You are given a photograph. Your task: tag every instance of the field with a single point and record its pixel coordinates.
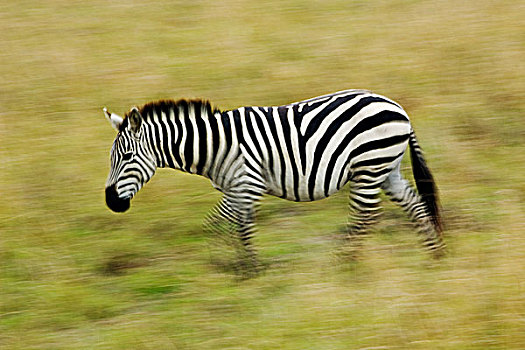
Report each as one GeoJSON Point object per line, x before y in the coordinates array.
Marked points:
{"type": "Point", "coordinates": [73, 275]}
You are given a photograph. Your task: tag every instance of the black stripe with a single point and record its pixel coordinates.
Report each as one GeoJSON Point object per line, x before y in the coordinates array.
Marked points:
{"type": "Point", "coordinates": [255, 170]}
{"type": "Point", "coordinates": [188, 146]}
{"type": "Point", "coordinates": [129, 176]}
{"type": "Point", "coordinates": [254, 192]}
{"type": "Point", "coordinates": [158, 136]}
{"type": "Point", "coordinates": [165, 142]}
{"type": "Point", "coordinates": [225, 124]}
{"type": "Point", "coordinates": [202, 135]}
{"type": "Point", "coordinates": [378, 144]}
{"type": "Point", "coordinates": [363, 195]}
{"type": "Point", "coordinates": [301, 140]}
{"type": "Point", "coordinates": [310, 106]}
{"type": "Point", "coordinates": [171, 130]}
{"type": "Point", "coordinates": [238, 125]}
{"type": "Point", "coordinates": [153, 142]}
{"type": "Point", "coordinates": [240, 135]}
{"type": "Point", "coordinates": [215, 137]}
{"type": "Point", "coordinates": [371, 173]}
{"type": "Point", "coordinates": [363, 204]}
{"type": "Point", "coordinates": [251, 132]}
{"type": "Point", "coordinates": [177, 142]}
{"type": "Point", "coordinates": [145, 162]}
{"type": "Point", "coordinates": [266, 140]}
{"type": "Point", "coordinates": [376, 161]}
{"type": "Point", "coordinates": [275, 135]}
{"type": "Point", "coordinates": [283, 111]}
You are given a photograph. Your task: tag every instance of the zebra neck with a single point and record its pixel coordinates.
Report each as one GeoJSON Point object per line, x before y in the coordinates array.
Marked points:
{"type": "Point", "coordinates": [178, 136]}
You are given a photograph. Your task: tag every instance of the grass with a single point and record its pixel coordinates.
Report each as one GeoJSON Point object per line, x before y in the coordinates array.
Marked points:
{"type": "Point", "coordinates": [75, 276]}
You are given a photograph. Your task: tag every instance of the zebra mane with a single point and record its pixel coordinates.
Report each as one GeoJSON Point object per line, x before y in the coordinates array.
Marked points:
{"type": "Point", "coordinates": [168, 105]}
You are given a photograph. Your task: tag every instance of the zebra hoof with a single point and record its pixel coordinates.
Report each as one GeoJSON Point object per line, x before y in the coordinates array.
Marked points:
{"type": "Point", "coordinates": [241, 268]}
{"type": "Point", "coordinates": [439, 253]}
{"type": "Point", "coordinates": [346, 255]}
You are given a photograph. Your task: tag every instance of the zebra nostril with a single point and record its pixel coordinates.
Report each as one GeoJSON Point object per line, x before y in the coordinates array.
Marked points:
{"type": "Point", "coordinates": [114, 202]}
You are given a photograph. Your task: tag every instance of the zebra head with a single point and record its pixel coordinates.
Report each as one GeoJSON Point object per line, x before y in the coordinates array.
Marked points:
{"type": "Point", "coordinates": [132, 164]}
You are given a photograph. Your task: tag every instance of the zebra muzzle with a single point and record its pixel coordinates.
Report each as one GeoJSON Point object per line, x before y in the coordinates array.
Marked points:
{"type": "Point", "coordinates": [114, 202]}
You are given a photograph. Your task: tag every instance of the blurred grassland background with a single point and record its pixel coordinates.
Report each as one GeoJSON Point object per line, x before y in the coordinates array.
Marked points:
{"type": "Point", "coordinates": [75, 276]}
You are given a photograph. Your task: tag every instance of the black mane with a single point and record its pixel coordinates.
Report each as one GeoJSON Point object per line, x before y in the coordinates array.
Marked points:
{"type": "Point", "coordinates": [167, 105]}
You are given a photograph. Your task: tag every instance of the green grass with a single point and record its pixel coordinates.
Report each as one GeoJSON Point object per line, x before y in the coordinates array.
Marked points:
{"type": "Point", "coordinates": [75, 276]}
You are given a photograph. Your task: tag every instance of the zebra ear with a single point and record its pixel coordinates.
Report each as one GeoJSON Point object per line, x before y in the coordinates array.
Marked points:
{"type": "Point", "coordinates": [114, 119]}
{"type": "Point", "coordinates": [135, 120]}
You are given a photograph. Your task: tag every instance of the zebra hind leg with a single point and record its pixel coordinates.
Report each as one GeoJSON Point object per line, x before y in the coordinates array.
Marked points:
{"type": "Point", "coordinates": [401, 193]}
{"type": "Point", "coordinates": [364, 210]}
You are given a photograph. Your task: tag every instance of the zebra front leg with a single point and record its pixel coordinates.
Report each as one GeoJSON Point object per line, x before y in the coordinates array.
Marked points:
{"type": "Point", "coordinates": [221, 225]}
{"type": "Point", "coordinates": [364, 211]}
{"type": "Point", "coordinates": [244, 206]}
{"type": "Point", "coordinates": [231, 224]}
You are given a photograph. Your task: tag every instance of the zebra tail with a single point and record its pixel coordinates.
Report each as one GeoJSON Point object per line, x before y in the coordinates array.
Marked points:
{"type": "Point", "coordinates": [425, 183]}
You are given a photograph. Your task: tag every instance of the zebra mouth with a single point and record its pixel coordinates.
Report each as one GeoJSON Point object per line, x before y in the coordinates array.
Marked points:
{"type": "Point", "coordinates": [114, 202]}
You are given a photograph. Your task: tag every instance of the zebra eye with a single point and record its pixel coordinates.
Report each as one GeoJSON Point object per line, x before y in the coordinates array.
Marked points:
{"type": "Point", "coordinates": [127, 156]}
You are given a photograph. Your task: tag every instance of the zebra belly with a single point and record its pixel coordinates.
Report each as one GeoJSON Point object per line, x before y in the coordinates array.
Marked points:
{"type": "Point", "coordinates": [298, 187]}
{"type": "Point", "coordinates": [296, 192]}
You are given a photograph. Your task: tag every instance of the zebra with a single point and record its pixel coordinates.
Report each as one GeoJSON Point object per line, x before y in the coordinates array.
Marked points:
{"type": "Point", "coordinates": [303, 151]}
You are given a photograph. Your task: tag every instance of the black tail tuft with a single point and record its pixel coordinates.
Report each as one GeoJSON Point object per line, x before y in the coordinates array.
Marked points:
{"type": "Point", "coordinates": [425, 183]}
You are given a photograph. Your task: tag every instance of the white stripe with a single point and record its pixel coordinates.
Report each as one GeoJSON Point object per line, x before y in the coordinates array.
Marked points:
{"type": "Point", "coordinates": [219, 157]}
{"type": "Point", "coordinates": [307, 118]}
{"type": "Point", "coordinates": [209, 139]}
{"type": "Point", "coordinates": [160, 146]}
{"type": "Point", "coordinates": [192, 117]}
{"type": "Point", "coordinates": [282, 145]}
{"type": "Point", "coordinates": [273, 184]}
{"type": "Point", "coordinates": [303, 186]}
{"type": "Point", "coordinates": [183, 138]}
{"type": "Point", "coordinates": [223, 174]}
{"type": "Point", "coordinates": [168, 137]}
{"type": "Point", "coordinates": [253, 116]}
{"type": "Point", "coordinates": [247, 139]}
